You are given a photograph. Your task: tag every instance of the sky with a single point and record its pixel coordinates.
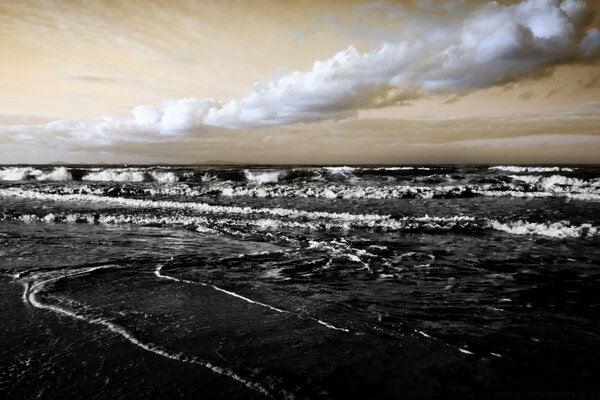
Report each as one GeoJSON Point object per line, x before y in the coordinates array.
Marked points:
{"type": "Point", "coordinates": [316, 82]}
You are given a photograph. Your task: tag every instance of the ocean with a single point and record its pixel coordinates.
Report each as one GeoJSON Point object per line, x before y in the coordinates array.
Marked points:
{"type": "Point", "coordinates": [305, 282]}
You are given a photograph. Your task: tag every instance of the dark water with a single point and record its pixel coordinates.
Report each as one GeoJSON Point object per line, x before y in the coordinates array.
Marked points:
{"type": "Point", "coordinates": [433, 282]}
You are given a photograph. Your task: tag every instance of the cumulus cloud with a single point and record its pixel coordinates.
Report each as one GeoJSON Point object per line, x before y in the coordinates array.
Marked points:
{"type": "Point", "coordinates": [459, 52]}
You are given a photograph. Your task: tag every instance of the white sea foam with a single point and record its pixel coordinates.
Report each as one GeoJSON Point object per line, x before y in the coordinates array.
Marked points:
{"type": "Point", "coordinates": [584, 191]}
{"type": "Point", "coordinates": [517, 193]}
{"type": "Point", "coordinates": [580, 191]}
{"type": "Point", "coordinates": [49, 218]}
{"type": "Point", "coordinates": [57, 174]}
{"type": "Point", "coordinates": [335, 170]}
{"type": "Point", "coordinates": [288, 218]}
{"type": "Point", "coordinates": [109, 175]}
{"type": "Point", "coordinates": [555, 180]}
{"type": "Point", "coordinates": [562, 229]}
{"type": "Point", "coordinates": [529, 186]}
{"type": "Point", "coordinates": [15, 173]}
{"type": "Point", "coordinates": [208, 177]}
{"type": "Point", "coordinates": [402, 168]}
{"type": "Point", "coordinates": [562, 186]}
{"type": "Point", "coordinates": [262, 176]}
{"type": "Point", "coordinates": [200, 224]}
{"type": "Point", "coordinates": [424, 334]}
{"type": "Point", "coordinates": [590, 192]}
{"type": "Point", "coordinates": [164, 176]}
{"type": "Point", "coordinates": [340, 249]}
{"type": "Point", "coordinates": [332, 191]}
{"type": "Point", "coordinates": [394, 168]}
{"type": "Point", "coordinates": [197, 207]}
{"type": "Point", "coordinates": [516, 169]}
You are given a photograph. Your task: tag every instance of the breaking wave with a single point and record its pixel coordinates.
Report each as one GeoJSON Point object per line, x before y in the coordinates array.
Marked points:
{"type": "Point", "coordinates": [57, 174]}
{"type": "Point", "coordinates": [561, 229]}
{"type": "Point", "coordinates": [262, 176]}
{"type": "Point", "coordinates": [115, 176]}
{"type": "Point", "coordinates": [26, 173]}
{"type": "Point", "coordinates": [515, 169]}
{"type": "Point", "coordinates": [164, 176]}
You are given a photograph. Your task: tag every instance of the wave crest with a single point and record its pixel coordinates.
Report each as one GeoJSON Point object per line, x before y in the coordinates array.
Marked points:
{"type": "Point", "coordinates": [262, 176]}
{"type": "Point", "coordinates": [516, 169]}
{"type": "Point", "coordinates": [26, 173]}
{"type": "Point", "coordinates": [561, 229]}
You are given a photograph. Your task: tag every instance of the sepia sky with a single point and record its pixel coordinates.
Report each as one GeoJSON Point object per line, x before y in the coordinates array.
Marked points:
{"type": "Point", "coordinates": [272, 81]}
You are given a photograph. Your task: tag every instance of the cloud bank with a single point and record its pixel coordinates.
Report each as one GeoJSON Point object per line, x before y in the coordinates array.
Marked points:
{"type": "Point", "coordinates": [457, 53]}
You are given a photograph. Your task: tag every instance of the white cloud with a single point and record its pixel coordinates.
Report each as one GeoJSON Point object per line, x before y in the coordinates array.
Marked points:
{"type": "Point", "coordinates": [590, 45]}
{"type": "Point", "coordinates": [485, 46]}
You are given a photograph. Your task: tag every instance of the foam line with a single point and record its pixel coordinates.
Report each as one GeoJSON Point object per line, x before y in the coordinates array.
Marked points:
{"type": "Point", "coordinates": [248, 300]}
{"type": "Point", "coordinates": [460, 349]}
{"type": "Point", "coordinates": [512, 168]}
{"type": "Point", "coordinates": [31, 292]}
{"type": "Point", "coordinates": [328, 325]}
{"type": "Point", "coordinates": [521, 186]}
{"type": "Point", "coordinates": [159, 274]}
{"type": "Point", "coordinates": [560, 229]}
{"type": "Point", "coordinates": [198, 207]}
